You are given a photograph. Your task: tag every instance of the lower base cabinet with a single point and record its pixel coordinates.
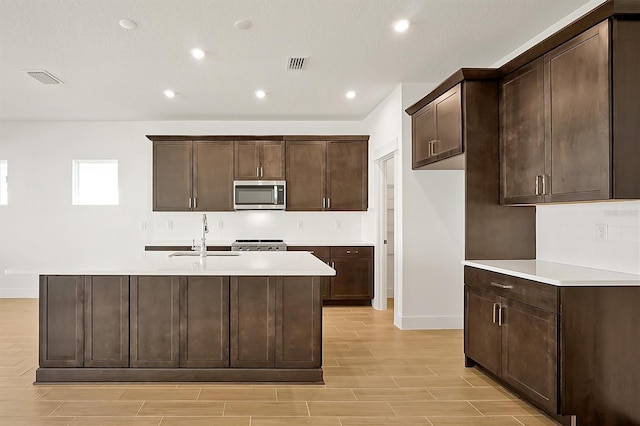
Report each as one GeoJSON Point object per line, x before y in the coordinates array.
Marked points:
{"type": "Point", "coordinates": [353, 281]}
{"type": "Point", "coordinates": [571, 351]}
{"type": "Point", "coordinates": [180, 328]}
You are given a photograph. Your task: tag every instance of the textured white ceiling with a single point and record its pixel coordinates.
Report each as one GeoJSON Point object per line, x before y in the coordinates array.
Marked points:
{"type": "Point", "coordinates": [113, 74]}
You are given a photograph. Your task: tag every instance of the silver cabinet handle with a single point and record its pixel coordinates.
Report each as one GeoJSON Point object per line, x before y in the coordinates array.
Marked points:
{"type": "Point", "coordinates": [258, 171]}
{"type": "Point", "coordinates": [333, 265]}
{"type": "Point", "coordinates": [496, 306]}
{"type": "Point", "coordinates": [501, 285]}
{"type": "Point", "coordinates": [435, 151]}
{"type": "Point", "coordinates": [328, 202]}
{"type": "Point", "coordinates": [190, 202]}
{"type": "Point", "coordinates": [500, 322]}
{"type": "Point", "coordinates": [195, 202]}
{"type": "Point", "coordinates": [431, 148]}
{"type": "Point", "coordinates": [261, 172]}
{"type": "Point", "coordinates": [544, 184]}
{"type": "Point", "coordinates": [323, 202]}
{"type": "Point", "coordinates": [538, 185]}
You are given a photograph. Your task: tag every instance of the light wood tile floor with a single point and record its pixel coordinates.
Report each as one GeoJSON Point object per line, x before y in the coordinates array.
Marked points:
{"type": "Point", "coordinates": [374, 374]}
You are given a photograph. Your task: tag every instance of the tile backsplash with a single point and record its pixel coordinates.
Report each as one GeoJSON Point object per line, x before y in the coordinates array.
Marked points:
{"type": "Point", "coordinates": [228, 226]}
{"type": "Point", "coordinates": [597, 235]}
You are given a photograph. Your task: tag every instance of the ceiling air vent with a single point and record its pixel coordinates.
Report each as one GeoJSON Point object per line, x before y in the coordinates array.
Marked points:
{"type": "Point", "coordinates": [43, 76]}
{"type": "Point", "coordinates": [296, 63]}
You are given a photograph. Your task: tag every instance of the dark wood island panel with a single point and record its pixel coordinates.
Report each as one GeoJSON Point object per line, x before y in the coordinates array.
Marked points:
{"type": "Point", "coordinates": [180, 328]}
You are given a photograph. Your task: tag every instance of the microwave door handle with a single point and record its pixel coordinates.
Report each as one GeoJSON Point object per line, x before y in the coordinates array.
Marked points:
{"type": "Point", "coordinates": [275, 194]}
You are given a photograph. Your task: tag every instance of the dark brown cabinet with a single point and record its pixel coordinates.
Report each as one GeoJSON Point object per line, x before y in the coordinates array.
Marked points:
{"type": "Point", "coordinates": [61, 321]}
{"type": "Point", "coordinates": [255, 160]}
{"type": "Point", "coordinates": [327, 175]}
{"type": "Point", "coordinates": [253, 329]}
{"type": "Point", "coordinates": [354, 272]}
{"type": "Point", "coordinates": [204, 322]}
{"type": "Point", "coordinates": [511, 329]}
{"type": "Point", "coordinates": [155, 323]}
{"type": "Point", "coordinates": [106, 321]}
{"type": "Point", "coordinates": [437, 129]}
{"type": "Point", "coordinates": [560, 138]}
{"type": "Point", "coordinates": [192, 175]}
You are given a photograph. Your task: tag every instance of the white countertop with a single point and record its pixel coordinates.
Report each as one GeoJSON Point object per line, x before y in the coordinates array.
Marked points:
{"type": "Point", "coordinates": [252, 263]}
{"type": "Point", "coordinates": [211, 243]}
{"type": "Point", "coordinates": [558, 274]}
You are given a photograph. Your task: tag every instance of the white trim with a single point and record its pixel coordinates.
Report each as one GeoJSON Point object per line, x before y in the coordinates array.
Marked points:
{"type": "Point", "coordinates": [429, 323]}
{"type": "Point", "coordinates": [389, 293]}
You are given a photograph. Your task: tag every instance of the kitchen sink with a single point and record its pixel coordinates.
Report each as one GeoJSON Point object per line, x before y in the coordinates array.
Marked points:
{"type": "Point", "coordinates": [209, 253]}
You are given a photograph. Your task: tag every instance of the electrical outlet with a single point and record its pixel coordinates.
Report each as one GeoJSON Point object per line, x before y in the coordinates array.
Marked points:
{"type": "Point", "coordinates": [169, 224]}
{"type": "Point", "coordinates": [143, 225]}
{"type": "Point", "coordinates": [602, 232]}
{"type": "Point", "coordinates": [299, 224]}
{"type": "Point", "coordinates": [219, 224]}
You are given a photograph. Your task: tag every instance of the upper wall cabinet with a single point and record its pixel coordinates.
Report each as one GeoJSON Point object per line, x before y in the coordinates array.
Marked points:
{"type": "Point", "coordinates": [569, 120]}
{"type": "Point", "coordinates": [327, 175]}
{"type": "Point", "coordinates": [192, 175]}
{"type": "Point", "coordinates": [256, 160]}
{"type": "Point", "coordinates": [437, 129]}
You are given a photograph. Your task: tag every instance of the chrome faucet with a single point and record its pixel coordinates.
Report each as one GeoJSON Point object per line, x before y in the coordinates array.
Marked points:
{"type": "Point", "coordinates": [205, 229]}
{"type": "Point", "coordinates": [203, 241]}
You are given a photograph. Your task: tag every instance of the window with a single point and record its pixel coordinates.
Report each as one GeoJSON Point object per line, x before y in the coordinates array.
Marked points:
{"type": "Point", "coordinates": [95, 183]}
{"type": "Point", "coordinates": [4, 194]}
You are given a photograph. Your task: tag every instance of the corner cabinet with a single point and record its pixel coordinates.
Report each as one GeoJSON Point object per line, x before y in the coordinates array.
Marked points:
{"type": "Point", "coordinates": [327, 175]}
{"type": "Point", "coordinates": [192, 175]}
{"type": "Point", "coordinates": [437, 129]}
{"type": "Point", "coordinates": [569, 122]}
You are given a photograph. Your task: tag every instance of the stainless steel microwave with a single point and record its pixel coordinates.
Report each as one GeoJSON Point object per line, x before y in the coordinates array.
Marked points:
{"type": "Point", "coordinates": [259, 194]}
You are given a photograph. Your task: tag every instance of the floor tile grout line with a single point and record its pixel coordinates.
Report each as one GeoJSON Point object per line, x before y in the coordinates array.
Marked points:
{"type": "Point", "coordinates": [476, 408]}
{"type": "Point", "coordinates": [140, 408]}
{"type": "Point", "coordinates": [517, 420]}
{"type": "Point", "coordinates": [54, 410]}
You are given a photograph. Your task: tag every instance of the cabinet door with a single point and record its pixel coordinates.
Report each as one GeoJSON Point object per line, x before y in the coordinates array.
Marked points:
{"type": "Point", "coordinates": [155, 321]}
{"type": "Point", "coordinates": [204, 322]}
{"type": "Point", "coordinates": [61, 321]}
{"type": "Point", "coordinates": [448, 124]}
{"type": "Point", "coordinates": [482, 334]}
{"type": "Point", "coordinates": [306, 170]}
{"type": "Point", "coordinates": [247, 160]}
{"type": "Point", "coordinates": [272, 160]}
{"type": "Point", "coordinates": [172, 165]}
{"type": "Point", "coordinates": [253, 322]}
{"type": "Point", "coordinates": [106, 321]}
{"type": "Point", "coordinates": [529, 352]}
{"type": "Point", "coordinates": [522, 135]}
{"type": "Point", "coordinates": [347, 175]}
{"type": "Point", "coordinates": [353, 279]}
{"type": "Point", "coordinates": [213, 176]}
{"type": "Point", "coordinates": [423, 125]}
{"type": "Point", "coordinates": [298, 323]}
{"type": "Point", "coordinates": [577, 118]}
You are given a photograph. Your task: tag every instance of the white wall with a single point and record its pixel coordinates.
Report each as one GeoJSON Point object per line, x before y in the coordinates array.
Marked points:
{"type": "Point", "coordinates": [40, 226]}
{"type": "Point", "coordinates": [566, 233]}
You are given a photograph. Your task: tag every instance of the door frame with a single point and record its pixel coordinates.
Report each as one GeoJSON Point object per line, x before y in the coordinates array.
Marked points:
{"type": "Point", "coordinates": [388, 152]}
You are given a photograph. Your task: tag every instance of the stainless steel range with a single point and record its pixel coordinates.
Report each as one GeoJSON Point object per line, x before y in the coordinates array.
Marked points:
{"type": "Point", "coordinates": [258, 245]}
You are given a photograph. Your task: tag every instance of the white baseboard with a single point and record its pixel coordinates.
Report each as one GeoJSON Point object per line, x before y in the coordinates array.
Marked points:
{"type": "Point", "coordinates": [429, 323]}
{"type": "Point", "coordinates": [18, 293]}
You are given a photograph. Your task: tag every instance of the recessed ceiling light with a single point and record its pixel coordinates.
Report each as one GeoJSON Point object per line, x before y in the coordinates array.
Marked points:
{"type": "Point", "coordinates": [350, 94]}
{"type": "Point", "coordinates": [197, 53]}
{"type": "Point", "coordinates": [128, 24]}
{"type": "Point", "coordinates": [401, 26]}
{"type": "Point", "coordinates": [260, 94]}
{"type": "Point", "coordinates": [169, 93]}
{"type": "Point", "coordinates": [242, 24]}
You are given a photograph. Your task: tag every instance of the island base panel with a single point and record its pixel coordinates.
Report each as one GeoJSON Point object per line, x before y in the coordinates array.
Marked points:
{"type": "Point", "coordinates": [52, 375]}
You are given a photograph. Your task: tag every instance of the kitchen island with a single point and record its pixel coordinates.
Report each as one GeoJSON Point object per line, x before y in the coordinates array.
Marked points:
{"type": "Point", "coordinates": [230, 316]}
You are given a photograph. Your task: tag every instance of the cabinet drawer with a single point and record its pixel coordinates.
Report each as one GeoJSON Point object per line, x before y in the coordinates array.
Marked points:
{"type": "Point", "coordinates": [321, 253]}
{"type": "Point", "coordinates": [357, 251]}
{"type": "Point", "coordinates": [543, 296]}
